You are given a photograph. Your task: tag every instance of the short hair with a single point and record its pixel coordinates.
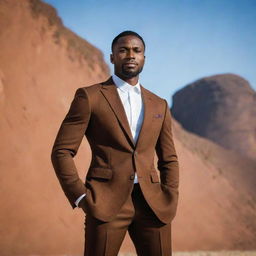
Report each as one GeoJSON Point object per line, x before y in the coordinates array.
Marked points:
{"type": "Point", "coordinates": [126, 33]}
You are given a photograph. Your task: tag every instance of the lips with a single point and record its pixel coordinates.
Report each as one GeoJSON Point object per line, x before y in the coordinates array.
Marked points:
{"type": "Point", "coordinates": [130, 64]}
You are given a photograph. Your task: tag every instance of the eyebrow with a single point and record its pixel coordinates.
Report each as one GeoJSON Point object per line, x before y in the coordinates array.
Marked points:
{"type": "Point", "coordinates": [126, 47]}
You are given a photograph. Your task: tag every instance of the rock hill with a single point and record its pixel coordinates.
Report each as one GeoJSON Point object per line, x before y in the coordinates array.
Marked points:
{"type": "Point", "coordinates": [42, 63]}
{"type": "Point", "coordinates": [221, 108]}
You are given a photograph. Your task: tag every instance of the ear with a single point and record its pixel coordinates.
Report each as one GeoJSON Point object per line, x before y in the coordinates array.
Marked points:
{"type": "Point", "coordinates": [112, 58]}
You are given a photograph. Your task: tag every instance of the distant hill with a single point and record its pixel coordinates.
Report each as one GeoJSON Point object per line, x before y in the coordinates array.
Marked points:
{"type": "Point", "coordinates": [221, 108]}
{"type": "Point", "coordinates": [41, 65]}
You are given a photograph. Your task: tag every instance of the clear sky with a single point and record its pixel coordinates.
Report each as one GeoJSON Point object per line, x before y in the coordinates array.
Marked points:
{"type": "Point", "coordinates": [185, 39]}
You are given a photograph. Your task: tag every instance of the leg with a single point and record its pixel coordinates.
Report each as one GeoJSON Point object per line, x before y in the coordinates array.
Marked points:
{"type": "Point", "coordinates": [150, 236]}
{"type": "Point", "coordinates": [105, 238]}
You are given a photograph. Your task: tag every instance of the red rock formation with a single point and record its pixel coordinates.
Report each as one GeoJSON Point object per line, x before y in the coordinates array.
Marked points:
{"type": "Point", "coordinates": [217, 207]}
{"type": "Point", "coordinates": [41, 65]}
{"type": "Point", "coordinates": [221, 108]}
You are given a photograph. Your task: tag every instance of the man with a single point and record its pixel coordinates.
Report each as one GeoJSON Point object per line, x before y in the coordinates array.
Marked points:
{"type": "Point", "coordinates": [125, 124]}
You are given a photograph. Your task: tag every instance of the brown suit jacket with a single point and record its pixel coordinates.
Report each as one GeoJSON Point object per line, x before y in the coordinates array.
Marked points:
{"type": "Point", "coordinates": [97, 112]}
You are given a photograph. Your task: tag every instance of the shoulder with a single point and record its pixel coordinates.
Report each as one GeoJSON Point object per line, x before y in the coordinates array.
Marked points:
{"type": "Point", "coordinates": [93, 89]}
{"type": "Point", "coordinates": [91, 93]}
{"type": "Point", "coordinates": [153, 96]}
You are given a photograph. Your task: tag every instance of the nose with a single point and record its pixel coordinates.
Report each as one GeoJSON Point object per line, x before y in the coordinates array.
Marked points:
{"type": "Point", "coordinates": [130, 54]}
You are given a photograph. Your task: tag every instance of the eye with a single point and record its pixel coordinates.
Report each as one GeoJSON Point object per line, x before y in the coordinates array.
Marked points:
{"type": "Point", "coordinates": [122, 50]}
{"type": "Point", "coordinates": [138, 50]}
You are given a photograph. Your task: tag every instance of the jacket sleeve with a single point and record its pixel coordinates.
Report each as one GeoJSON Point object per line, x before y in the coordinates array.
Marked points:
{"type": "Point", "coordinates": [66, 145]}
{"type": "Point", "coordinates": [168, 164]}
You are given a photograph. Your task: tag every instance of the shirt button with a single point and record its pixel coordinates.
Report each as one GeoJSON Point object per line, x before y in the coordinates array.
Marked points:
{"type": "Point", "coordinates": [132, 177]}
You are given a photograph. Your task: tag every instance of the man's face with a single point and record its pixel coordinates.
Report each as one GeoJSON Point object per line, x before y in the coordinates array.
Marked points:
{"type": "Point", "coordinates": [128, 57]}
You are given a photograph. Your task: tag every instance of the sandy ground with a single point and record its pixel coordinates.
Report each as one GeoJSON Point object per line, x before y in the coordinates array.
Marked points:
{"type": "Point", "coordinates": [207, 253]}
{"type": "Point", "coordinates": [195, 253]}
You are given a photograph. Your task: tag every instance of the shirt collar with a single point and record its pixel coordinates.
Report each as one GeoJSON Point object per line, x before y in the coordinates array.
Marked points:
{"type": "Point", "coordinates": [124, 86]}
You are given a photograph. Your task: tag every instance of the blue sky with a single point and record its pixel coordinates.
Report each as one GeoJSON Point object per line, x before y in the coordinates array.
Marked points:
{"type": "Point", "coordinates": [185, 39]}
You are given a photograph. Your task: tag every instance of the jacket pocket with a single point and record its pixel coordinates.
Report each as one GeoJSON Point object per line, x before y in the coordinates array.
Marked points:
{"type": "Point", "coordinates": [154, 177]}
{"type": "Point", "coordinates": [100, 173]}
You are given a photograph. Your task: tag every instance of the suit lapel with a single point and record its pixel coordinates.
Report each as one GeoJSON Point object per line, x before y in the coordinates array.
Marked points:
{"type": "Point", "coordinates": [110, 92]}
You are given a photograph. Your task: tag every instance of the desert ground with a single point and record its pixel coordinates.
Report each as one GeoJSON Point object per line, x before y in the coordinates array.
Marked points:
{"type": "Point", "coordinates": [207, 253]}
{"type": "Point", "coordinates": [194, 253]}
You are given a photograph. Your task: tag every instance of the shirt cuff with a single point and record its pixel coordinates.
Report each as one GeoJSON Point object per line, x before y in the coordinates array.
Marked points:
{"type": "Point", "coordinates": [135, 179]}
{"type": "Point", "coordinates": [79, 199]}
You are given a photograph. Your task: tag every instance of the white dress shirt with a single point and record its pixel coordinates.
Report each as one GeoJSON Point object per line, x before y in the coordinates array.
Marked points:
{"type": "Point", "coordinates": [130, 96]}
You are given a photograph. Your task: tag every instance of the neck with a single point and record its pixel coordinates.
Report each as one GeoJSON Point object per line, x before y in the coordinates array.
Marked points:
{"type": "Point", "coordinates": [131, 81]}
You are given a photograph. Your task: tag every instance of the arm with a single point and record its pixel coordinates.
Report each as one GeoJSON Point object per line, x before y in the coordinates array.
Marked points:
{"type": "Point", "coordinates": [66, 145]}
{"type": "Point", "coordinates": [167, 159]}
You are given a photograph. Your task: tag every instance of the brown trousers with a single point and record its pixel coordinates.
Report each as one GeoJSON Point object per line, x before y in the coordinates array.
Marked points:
{"type": "Point", "coordinates": [150, 236]}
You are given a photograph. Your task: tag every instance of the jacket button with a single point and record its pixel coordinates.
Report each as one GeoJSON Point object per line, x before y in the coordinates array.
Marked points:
{"type": "Point", "coordinates": [135, 153]}
{"type": "Point", "coordinates": [132, 177]}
